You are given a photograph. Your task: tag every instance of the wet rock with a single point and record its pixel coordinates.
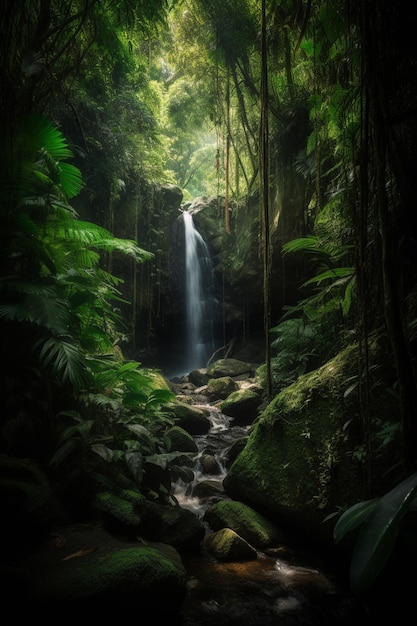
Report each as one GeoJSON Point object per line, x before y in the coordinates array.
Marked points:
{"type": "Point", "coordinates": [130, 514]}
{"type": "Point", "coordinates": [229, 367]}
{"type": "Point", "coordinates": [206, 489]}
{"type": "Point", "coordinates": [227, 545]}
{"type": "Point", "coordinates": [181, 440]}
{"type": "Point", "coordinates": [192, 419]}
{"type": "Point", "coordinates": [249, 524]}
{"type": "Point", "coordinates": [209, 464]}
{"type": "Point", "coordinates": [242, 405]}
{"type": "Point", "coordinates": [220, 388]}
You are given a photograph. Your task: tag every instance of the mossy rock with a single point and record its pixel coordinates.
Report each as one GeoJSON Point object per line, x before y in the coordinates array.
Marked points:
{"type": "Point", "coordinates": [229, 367]}
{"type": "Point", "coordinates": [245, 521]}
{"type": "Point", "coordinates": [181, 440]}
{"type": "Point", "coordinates": [241, 405]}
{"type": "Point", "coordinates": [297, 465]}
{"type": "Point", "coordinates": [89, 568]}
{"type": "Point", "coordinates": [190, 418]}
{"type": "Point", "coordinates": [220, 388]}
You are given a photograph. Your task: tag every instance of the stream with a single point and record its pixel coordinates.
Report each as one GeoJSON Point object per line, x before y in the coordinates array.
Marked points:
{"type": "Point", "coordinates": [283, 586]}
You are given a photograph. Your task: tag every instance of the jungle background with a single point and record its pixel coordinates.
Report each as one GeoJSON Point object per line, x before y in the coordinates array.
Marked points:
{"type": "Point", "coordinates": [296, 120]}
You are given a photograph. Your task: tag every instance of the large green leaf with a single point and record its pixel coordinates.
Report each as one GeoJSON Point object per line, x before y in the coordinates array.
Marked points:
{"type": "Point", "coordinates": [355, 516]}
{"type": "Point", "coordinates": [379, 533]}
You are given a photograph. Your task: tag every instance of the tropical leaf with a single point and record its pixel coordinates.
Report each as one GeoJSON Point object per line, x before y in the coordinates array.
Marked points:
{"type": "Point", "coordinates": [331, 274]}
{"type": "Point", "coordinates": [379, 534]}
{"type": "Point", "coordinates": [37, 132]}
{"type": "Point", "coordinates": [311, 244]}
{"type": "Point", "coordinates": [380, 521]}
{"type": "Point", "coordinates": [353, 517]}
{"type": "Point", "coordinates": [134, 400]}
{"type": "Point", "coordinates": [103, 451]}
{"type": "Point", "coordinates": [159, 396]}
{"type": "Point", "coordinates": [134, 461]}
{"type": "Point", "coordinates": [70, 179]}
{"type": "Point", "coordinates": [124, 246]}
{"type": "Point", "coordinates": [63, 452]}
{"type": "Point", "coordinates": [64, 359]}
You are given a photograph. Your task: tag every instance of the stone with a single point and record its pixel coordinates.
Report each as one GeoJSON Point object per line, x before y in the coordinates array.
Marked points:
{"type": "Point", "coordinates": [226, 545]}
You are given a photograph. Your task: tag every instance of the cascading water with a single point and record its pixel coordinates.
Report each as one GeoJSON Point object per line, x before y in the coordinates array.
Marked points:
{"type": "Point", "coordinates": [198, 274]}
{"type": "Point", "coordinates": [215, 445]}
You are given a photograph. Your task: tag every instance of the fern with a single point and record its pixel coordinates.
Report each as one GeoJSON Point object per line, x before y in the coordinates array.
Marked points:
{"type": "Point", "coordinates": [64, 360]}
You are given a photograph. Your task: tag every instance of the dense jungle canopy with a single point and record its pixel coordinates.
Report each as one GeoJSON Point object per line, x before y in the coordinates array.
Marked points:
{"type": "Point", "coordinates": [305, 110]}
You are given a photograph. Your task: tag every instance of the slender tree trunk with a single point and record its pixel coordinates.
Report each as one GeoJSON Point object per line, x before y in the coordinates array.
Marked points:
{"type": "Point", "coordinates": [226, 206]}
{"type": "Point", "coordinates": [264, 185]}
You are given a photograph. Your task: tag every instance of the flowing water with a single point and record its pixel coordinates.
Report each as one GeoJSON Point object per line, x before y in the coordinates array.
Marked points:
{"type": "Point", "coordinates": [284, 586]}
{"type": "Point", "coordinates": [198, 287]}
{"type": "Point", "coordinates": [214, 446]}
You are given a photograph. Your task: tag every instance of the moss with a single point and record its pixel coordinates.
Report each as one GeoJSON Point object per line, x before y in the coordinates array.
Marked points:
{"type": "Point", "coordinates": [246, 522]}
{"type": "Point", "coordinates": [180, 440]}
{"type": "Point", "coordinates": [120, 511]}
{"type": "Point", "coordinates": [298, 454]}
{"type": "Point", "coordinates": [139, 570]}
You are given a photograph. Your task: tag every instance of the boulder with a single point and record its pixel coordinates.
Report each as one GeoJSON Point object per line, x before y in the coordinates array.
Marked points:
{"type": "Point", "coordinates": [131, 514]}
{"type": "Point", "coordinates": [230, 367]}
{"type": "Point", "coordinates": [220, 388]}
{"type": "Point", "coordinates": [208, 488]}
{"type": "Point", "coordinates": [209, 464]}
{"type": "Point", "coordinates": [226, 545]}
{"type": "Point", "coordinates": [181, 440]}
{"type": "Point", "coordinates": [192, 419]}
{"type": "Point", "coordinates": [246, 522]}
{"type": "Point", "coordinates": [198, 377]}
{"type": "Point", "coordinates": [82, 567]}
{"type": "Point", "coordinates": [242, 405]}
{"type": "Point", "coordinates": [297, 466]}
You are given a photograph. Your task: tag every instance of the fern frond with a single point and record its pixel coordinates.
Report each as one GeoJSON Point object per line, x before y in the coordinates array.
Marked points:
{"type": "Point", "coordinates": [64, 359]}
{"type": "Point", "coordinates": [332, 274]}
{"type": "Point", "coordinates": [70, 179]}
{"type": "Point", "coordinates": [311, 244]}
{"type": "Point", "coordinates": [40, 133]}
{"type": "Point", "coordinates": [124, 246]}
{"type": "Point", "coordinates": [35, 303]}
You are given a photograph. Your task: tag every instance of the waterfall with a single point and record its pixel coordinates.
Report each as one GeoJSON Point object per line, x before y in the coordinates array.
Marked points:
{"type": "Point", "coordinates": [198, 276]}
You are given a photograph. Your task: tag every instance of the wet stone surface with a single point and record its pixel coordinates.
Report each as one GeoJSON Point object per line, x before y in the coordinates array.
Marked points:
{"type": "Point", "coordinates": [266, 591]}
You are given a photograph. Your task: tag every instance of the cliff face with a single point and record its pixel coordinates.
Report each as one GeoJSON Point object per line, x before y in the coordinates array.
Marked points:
{"type": "Point", "coordinates": [156, 290]}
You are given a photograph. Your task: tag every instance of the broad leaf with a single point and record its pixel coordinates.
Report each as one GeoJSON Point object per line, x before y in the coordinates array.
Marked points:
{"type": "Point", "coordinates": [134, 461]}
{"type": "Point", "coordinates": [353, 517]}
{"type": "Point", "coordinates": [379, 533]}
{"type": "Point", "coordinates": [103, 451]}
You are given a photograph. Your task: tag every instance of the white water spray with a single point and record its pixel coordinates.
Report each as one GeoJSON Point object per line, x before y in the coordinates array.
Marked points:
{"type": "Point", "coordinates": [198, 269]}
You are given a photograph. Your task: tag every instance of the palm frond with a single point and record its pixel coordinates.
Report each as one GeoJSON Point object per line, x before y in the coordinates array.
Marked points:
{"type": "Point", "coordinates": [36, 132]}
{"type": "Point", "coordinates": [124, 246]}
{"type": "Point", "coordinates": [35, 303]}
{"type": "Point", "coordinates": [70, 179]}
{"type": "Point", "coordinates": [64, 359]}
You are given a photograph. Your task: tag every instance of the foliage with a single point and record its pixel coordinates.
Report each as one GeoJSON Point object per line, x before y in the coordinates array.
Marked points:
{"type": "Point", "coordinates": [380, 520]}
{"type": "Point", "coordinates": [335, 284]}
{"type": "Point", "coordinates": [297, 347]}
{"type": "Point", "coordinates": [57, 307]}
{"type": "Point", "coordinates": [313, 333]}
{"type": "Point", "coordinates": [116, 437]}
